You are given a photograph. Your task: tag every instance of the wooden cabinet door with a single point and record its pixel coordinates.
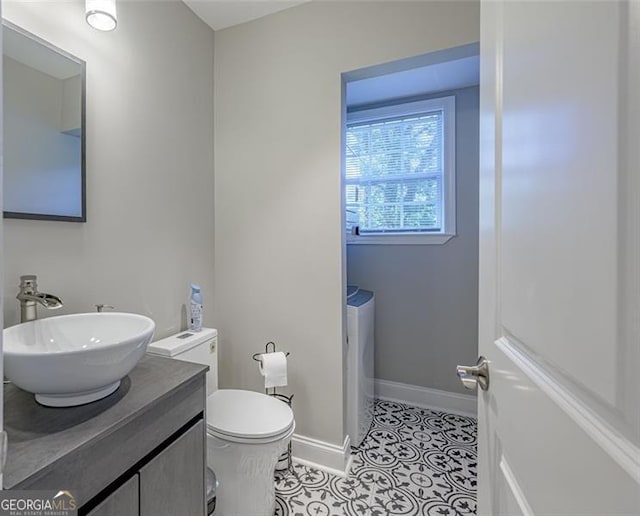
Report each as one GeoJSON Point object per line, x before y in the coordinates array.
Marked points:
{"type": "Point", "coordinates": [123, 502]}
{"type": "Point", "coordinates": [173, 482]}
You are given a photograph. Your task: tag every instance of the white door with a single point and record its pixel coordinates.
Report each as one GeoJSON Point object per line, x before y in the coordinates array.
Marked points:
{"type": "Point", "coordinates": [559, 258]}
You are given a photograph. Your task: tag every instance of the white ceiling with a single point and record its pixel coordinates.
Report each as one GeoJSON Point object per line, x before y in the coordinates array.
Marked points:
{"type": "Point", "coordinates": [219, 14]}
{"type": "Point", "coordinates": [448, 75]}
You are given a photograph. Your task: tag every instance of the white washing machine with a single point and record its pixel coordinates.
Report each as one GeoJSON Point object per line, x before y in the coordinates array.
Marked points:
{"type": "Point", "coordinates": [359, 363]}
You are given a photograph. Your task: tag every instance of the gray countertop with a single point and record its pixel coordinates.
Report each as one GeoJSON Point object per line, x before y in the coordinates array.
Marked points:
{"type": "Point", "coordinates": [39, 436]}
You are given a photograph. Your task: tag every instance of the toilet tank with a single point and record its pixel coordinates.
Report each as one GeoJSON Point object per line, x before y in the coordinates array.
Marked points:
{"type": "Point", "coordinates": [200, 347]}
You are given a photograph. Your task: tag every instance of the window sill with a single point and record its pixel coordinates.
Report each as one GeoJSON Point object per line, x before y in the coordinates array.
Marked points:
{"type": "Point", "coordinates": [430, 239]}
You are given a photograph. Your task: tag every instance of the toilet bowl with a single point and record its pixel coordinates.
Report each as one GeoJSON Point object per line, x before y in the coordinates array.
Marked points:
{"type": "Point", "coordinates": [246, 434]}
{"type": "Point", "coordinates": [246, 431]}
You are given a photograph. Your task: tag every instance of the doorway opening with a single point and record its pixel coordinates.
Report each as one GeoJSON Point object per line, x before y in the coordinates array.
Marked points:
{"type": "Point", "coordinates": [410, 207]}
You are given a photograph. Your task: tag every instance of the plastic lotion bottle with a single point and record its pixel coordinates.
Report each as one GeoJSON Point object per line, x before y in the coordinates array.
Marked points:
{"type": "Point", "coordinates": [195, 309]}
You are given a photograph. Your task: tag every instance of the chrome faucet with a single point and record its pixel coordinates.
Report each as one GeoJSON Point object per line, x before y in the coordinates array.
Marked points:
{"type": "Point", "coordinates": [30, 298]}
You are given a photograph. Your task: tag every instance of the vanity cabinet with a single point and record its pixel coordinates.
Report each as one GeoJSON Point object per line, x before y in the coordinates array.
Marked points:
{"type": "Point", "coordinates": [137, 452]}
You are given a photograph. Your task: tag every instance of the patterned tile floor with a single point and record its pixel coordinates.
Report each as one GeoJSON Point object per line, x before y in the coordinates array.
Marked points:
{"type": "Point", "coordinates": [413, 462]}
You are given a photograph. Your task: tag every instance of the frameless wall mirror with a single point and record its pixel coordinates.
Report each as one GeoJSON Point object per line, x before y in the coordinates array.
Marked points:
{"type": "Point", "coordinates": [44, 129]}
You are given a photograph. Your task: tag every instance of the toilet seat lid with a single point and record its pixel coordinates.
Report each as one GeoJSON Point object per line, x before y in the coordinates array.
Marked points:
{"type": "Point", "coordinates": [247, 414]}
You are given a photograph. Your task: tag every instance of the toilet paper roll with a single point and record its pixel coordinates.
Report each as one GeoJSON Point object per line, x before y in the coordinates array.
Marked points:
{"type": "Point", "coordinates": [273, 366]}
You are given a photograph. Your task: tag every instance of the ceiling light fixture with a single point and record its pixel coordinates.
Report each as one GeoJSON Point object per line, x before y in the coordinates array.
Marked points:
{"type": "Point", "coordinates": [101, 14]}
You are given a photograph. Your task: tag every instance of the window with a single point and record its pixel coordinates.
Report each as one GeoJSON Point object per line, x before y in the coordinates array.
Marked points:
{"type": "Point", "coordinates": [399, 173]}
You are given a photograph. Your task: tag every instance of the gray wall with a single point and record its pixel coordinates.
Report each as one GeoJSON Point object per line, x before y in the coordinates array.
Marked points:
{"type": "Point", "coordinates": [149, 166]}
{"type": "Point", "coordinates": [427, 295]}
{"type": "Point", "coordinates": [279, 250]}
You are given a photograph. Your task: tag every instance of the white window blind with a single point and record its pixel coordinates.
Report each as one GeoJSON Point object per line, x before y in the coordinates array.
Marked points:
{"type": "Point", "coordinates": [396, 170]}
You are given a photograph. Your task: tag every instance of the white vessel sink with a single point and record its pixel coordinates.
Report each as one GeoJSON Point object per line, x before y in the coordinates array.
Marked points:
{"type": "Point", "coordinates": [75, 359]}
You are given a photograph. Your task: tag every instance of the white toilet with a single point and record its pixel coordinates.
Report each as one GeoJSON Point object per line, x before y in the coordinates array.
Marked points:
{"type": "Point", "coordinates": [246, 431]}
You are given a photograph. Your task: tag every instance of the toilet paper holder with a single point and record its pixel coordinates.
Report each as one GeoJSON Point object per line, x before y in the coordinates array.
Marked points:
{"type": "Point", "coordinates": [270, 347]}
{"type": "Point", "coordinates": [256, 356]}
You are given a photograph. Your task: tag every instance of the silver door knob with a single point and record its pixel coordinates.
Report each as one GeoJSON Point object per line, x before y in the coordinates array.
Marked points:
{"type": "Point", "coordinates": [471, 376]}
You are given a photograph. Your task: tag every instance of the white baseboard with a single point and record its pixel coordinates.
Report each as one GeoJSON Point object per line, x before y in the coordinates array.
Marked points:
{"type": "Point", "coordinates": [321, 455]}
{"type": "Point", "coordinates": [427, 398]}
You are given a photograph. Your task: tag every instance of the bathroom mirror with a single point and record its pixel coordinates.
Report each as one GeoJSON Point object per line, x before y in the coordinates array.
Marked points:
{"type": "Point", "coordinates": [44, 129]}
